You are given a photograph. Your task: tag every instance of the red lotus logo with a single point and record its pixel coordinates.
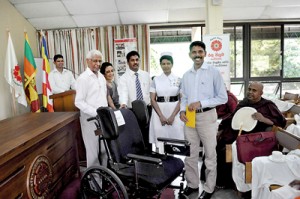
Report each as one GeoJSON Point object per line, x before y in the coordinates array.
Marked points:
{"type": "Point", "coordinates": [17, 75]}
{"type": "Point", "coordinates": [216, 45]}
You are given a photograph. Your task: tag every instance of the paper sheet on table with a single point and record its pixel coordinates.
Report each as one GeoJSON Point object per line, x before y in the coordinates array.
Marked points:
{"type": "Point", "coordinates": [191, 116]}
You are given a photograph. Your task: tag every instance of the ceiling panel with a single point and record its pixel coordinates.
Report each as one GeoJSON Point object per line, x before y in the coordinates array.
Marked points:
{"type": "Point", "coordinates": [42, 9]}
{"type": "Point", "coordinates": [285, 3]}
{"type": "Point", "coordinates": [177, 4]}
{"type": "Point", "coordinates": [53, 22]}
{"type": "Point", "coordinates": [97, 20]}
{"type": "Point", "coordinates": [182, 15]}
{"type": "Point", "coordinates": [84, 13]}
{"type": "Point", "coordinates": [160, 16]}
{"type": "Point", "coordinates": [246, 3]}
{"type": "Point", "coordinates": [142, 5]}
{"type": "Point", "coordinates": [90, 6]}
{"type": "Point", "coordinates": [30, 1]}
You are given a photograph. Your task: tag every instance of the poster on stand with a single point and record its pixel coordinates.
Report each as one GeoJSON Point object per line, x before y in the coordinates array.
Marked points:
{"type": "Point", "coordinates": [122, 47]}
{"type": "Point", "coordinates": [218, 54]}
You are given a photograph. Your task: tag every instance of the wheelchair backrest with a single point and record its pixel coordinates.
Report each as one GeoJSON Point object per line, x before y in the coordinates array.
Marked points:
{"type": "Point", "coordinates": [129, 138]}
{"type": "Point", "coordinates": [140, 110]}
{"type": "Point", "coordinates": [109, 126]}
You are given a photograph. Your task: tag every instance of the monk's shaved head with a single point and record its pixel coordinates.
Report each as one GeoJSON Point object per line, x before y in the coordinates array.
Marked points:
{"type": "Point", "coordinates": [257, 84]}
{"type": "Point", "coordinates": [255, 91]}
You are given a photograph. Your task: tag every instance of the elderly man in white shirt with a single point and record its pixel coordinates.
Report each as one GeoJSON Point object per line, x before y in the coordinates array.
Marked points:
{"type": "Point", "coordinates": [127, 87]}
{"type": "Point", "coordinates": [60, 79]}
{"type": "Point", "coordinates": [91, 93]}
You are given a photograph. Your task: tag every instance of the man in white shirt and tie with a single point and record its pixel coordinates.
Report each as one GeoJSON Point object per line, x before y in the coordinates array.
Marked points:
{"type": "Point", "coordinates": [134, 83]}
{"type": "Point", "coordinates": [60, 79]}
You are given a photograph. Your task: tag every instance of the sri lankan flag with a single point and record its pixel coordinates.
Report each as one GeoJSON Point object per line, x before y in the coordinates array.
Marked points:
{"type": "Point", "coordinates": [30, 73]}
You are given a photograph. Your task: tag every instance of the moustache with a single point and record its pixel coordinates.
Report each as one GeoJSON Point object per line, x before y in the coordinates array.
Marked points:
{"type": "Point", "coordinates": [197, 57]}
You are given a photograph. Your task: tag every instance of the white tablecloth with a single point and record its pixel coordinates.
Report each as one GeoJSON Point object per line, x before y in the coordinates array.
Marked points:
{"type": "Point", "coordinates": [294, 129]}
{"type": "Point", "coordinates": [238, 171]}
{"type": "Point", "coordinates": [283, 106]}
{"type": "Point", "coordinates": [285, 192]}
{"type": "Point", "coordinates": [266, 172]}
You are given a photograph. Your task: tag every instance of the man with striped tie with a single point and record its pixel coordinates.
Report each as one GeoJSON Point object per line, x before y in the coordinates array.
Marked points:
{"type": "Point", "coordinates": [134, 84]}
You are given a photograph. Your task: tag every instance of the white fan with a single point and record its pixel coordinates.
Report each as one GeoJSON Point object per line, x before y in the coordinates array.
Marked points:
{"type": "Point", "coordinates": [242, 119]}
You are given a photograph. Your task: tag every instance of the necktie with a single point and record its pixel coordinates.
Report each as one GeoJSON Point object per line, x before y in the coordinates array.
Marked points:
{"type": "Point", "coordinates": [139, 94]}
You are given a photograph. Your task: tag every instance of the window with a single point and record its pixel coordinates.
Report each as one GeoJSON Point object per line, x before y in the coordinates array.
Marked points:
{"type": "Point", "coordinates": [236, 48]}
{"type": "Point", "coordinates": [175, 40]}
{"type": "Point", "coordinates": [180, 54]}
{"type": "Point", "coordinates": [291, 51]}
{"type": "Point", "coordinates": [265, 51]}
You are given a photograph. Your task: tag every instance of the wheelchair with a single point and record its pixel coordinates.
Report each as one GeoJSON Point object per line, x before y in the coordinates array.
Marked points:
{"type": "Point", "coordinates": [132, 171]}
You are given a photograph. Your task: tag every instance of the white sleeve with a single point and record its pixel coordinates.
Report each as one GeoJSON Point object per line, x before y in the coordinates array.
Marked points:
{"type": "Point", "coordinates": [80, 98]}
{"type": "Point", "coordinates": [123, 90]}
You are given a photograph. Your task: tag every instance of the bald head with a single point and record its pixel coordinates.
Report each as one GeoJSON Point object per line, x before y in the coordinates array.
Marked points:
{"type": "Point", "coordinates": [255, 91]}
{"type": "Point", "coordinates": [259, 85]}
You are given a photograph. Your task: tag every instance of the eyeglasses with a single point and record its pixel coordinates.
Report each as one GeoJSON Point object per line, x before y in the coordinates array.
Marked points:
{"type": "Point", "coordinates": [95, 60]}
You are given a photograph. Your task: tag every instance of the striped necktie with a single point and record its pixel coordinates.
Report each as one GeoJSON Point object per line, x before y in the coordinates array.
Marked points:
{"type": "Point", "coordinates": [139, 94]}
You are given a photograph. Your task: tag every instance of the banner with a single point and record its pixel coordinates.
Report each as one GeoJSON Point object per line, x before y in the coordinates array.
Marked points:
{"type": "Point", "coordinates": [218, 54]}
{"type": "Point", "coordinates": [122, 47]}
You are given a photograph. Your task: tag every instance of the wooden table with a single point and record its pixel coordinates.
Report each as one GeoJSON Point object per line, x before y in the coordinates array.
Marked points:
{"type": "Point", "coordinates": [38, 154]}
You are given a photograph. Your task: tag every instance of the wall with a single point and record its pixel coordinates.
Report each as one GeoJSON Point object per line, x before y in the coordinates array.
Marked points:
{"type": "Point", "coordinates": [13, 21]}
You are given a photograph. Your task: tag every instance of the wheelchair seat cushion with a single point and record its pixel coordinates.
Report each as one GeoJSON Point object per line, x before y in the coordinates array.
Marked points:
{"type": "Point", "coordinates": [171, 168]}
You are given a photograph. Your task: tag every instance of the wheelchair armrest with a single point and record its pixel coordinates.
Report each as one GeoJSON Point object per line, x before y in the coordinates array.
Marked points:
{"type": "Point", "coordinates": [144, 158]}
{"type": "Point", "coordinates": [175, 141]}
{"type": "Point", "coordinates": [175, 146]}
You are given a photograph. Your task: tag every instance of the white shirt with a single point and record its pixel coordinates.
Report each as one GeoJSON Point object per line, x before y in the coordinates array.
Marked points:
{"type": "Point", "coordinates": [205, 85]}
{"type": "Point", "coordinates": [127, 88]}
{"type": "Point", "coordinates": [91, 92]}
{"type": "Point", "coordinates": [61, 82]}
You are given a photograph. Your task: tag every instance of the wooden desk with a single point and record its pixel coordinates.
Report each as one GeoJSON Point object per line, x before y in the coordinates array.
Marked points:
{"type": "Point", "coordinates": [64, 102]}
{"type": "Point", "coordinates": [23, 139]}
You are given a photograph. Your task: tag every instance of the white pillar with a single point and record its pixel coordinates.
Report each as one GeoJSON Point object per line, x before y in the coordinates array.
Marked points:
{"type": "Point", "coordinates": [214, 17]}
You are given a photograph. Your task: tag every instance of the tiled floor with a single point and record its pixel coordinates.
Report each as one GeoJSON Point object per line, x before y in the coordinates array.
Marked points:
{"type": "Point", "coordinates": [219, 193]}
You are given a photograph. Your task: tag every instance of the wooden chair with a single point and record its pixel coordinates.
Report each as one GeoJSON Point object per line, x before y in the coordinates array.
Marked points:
{"type": "Point", "coordinates": [289, 115]}
{"type": "Point", "coordinates": [290, 96]}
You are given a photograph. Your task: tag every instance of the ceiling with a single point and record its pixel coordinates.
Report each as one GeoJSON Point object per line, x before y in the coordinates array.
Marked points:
{"type": "Point", "coordinates": [57, 14]}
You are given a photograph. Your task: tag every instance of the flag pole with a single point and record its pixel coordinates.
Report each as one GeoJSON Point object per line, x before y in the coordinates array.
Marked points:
{"type": "Point", "coordinates": [14, 109]}
{"type": "Point", "coordinates": [14, 102]}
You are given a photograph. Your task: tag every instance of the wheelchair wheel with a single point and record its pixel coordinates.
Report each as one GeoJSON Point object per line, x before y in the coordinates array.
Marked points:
{"type": "Point", "coordinates": [100, 182]}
